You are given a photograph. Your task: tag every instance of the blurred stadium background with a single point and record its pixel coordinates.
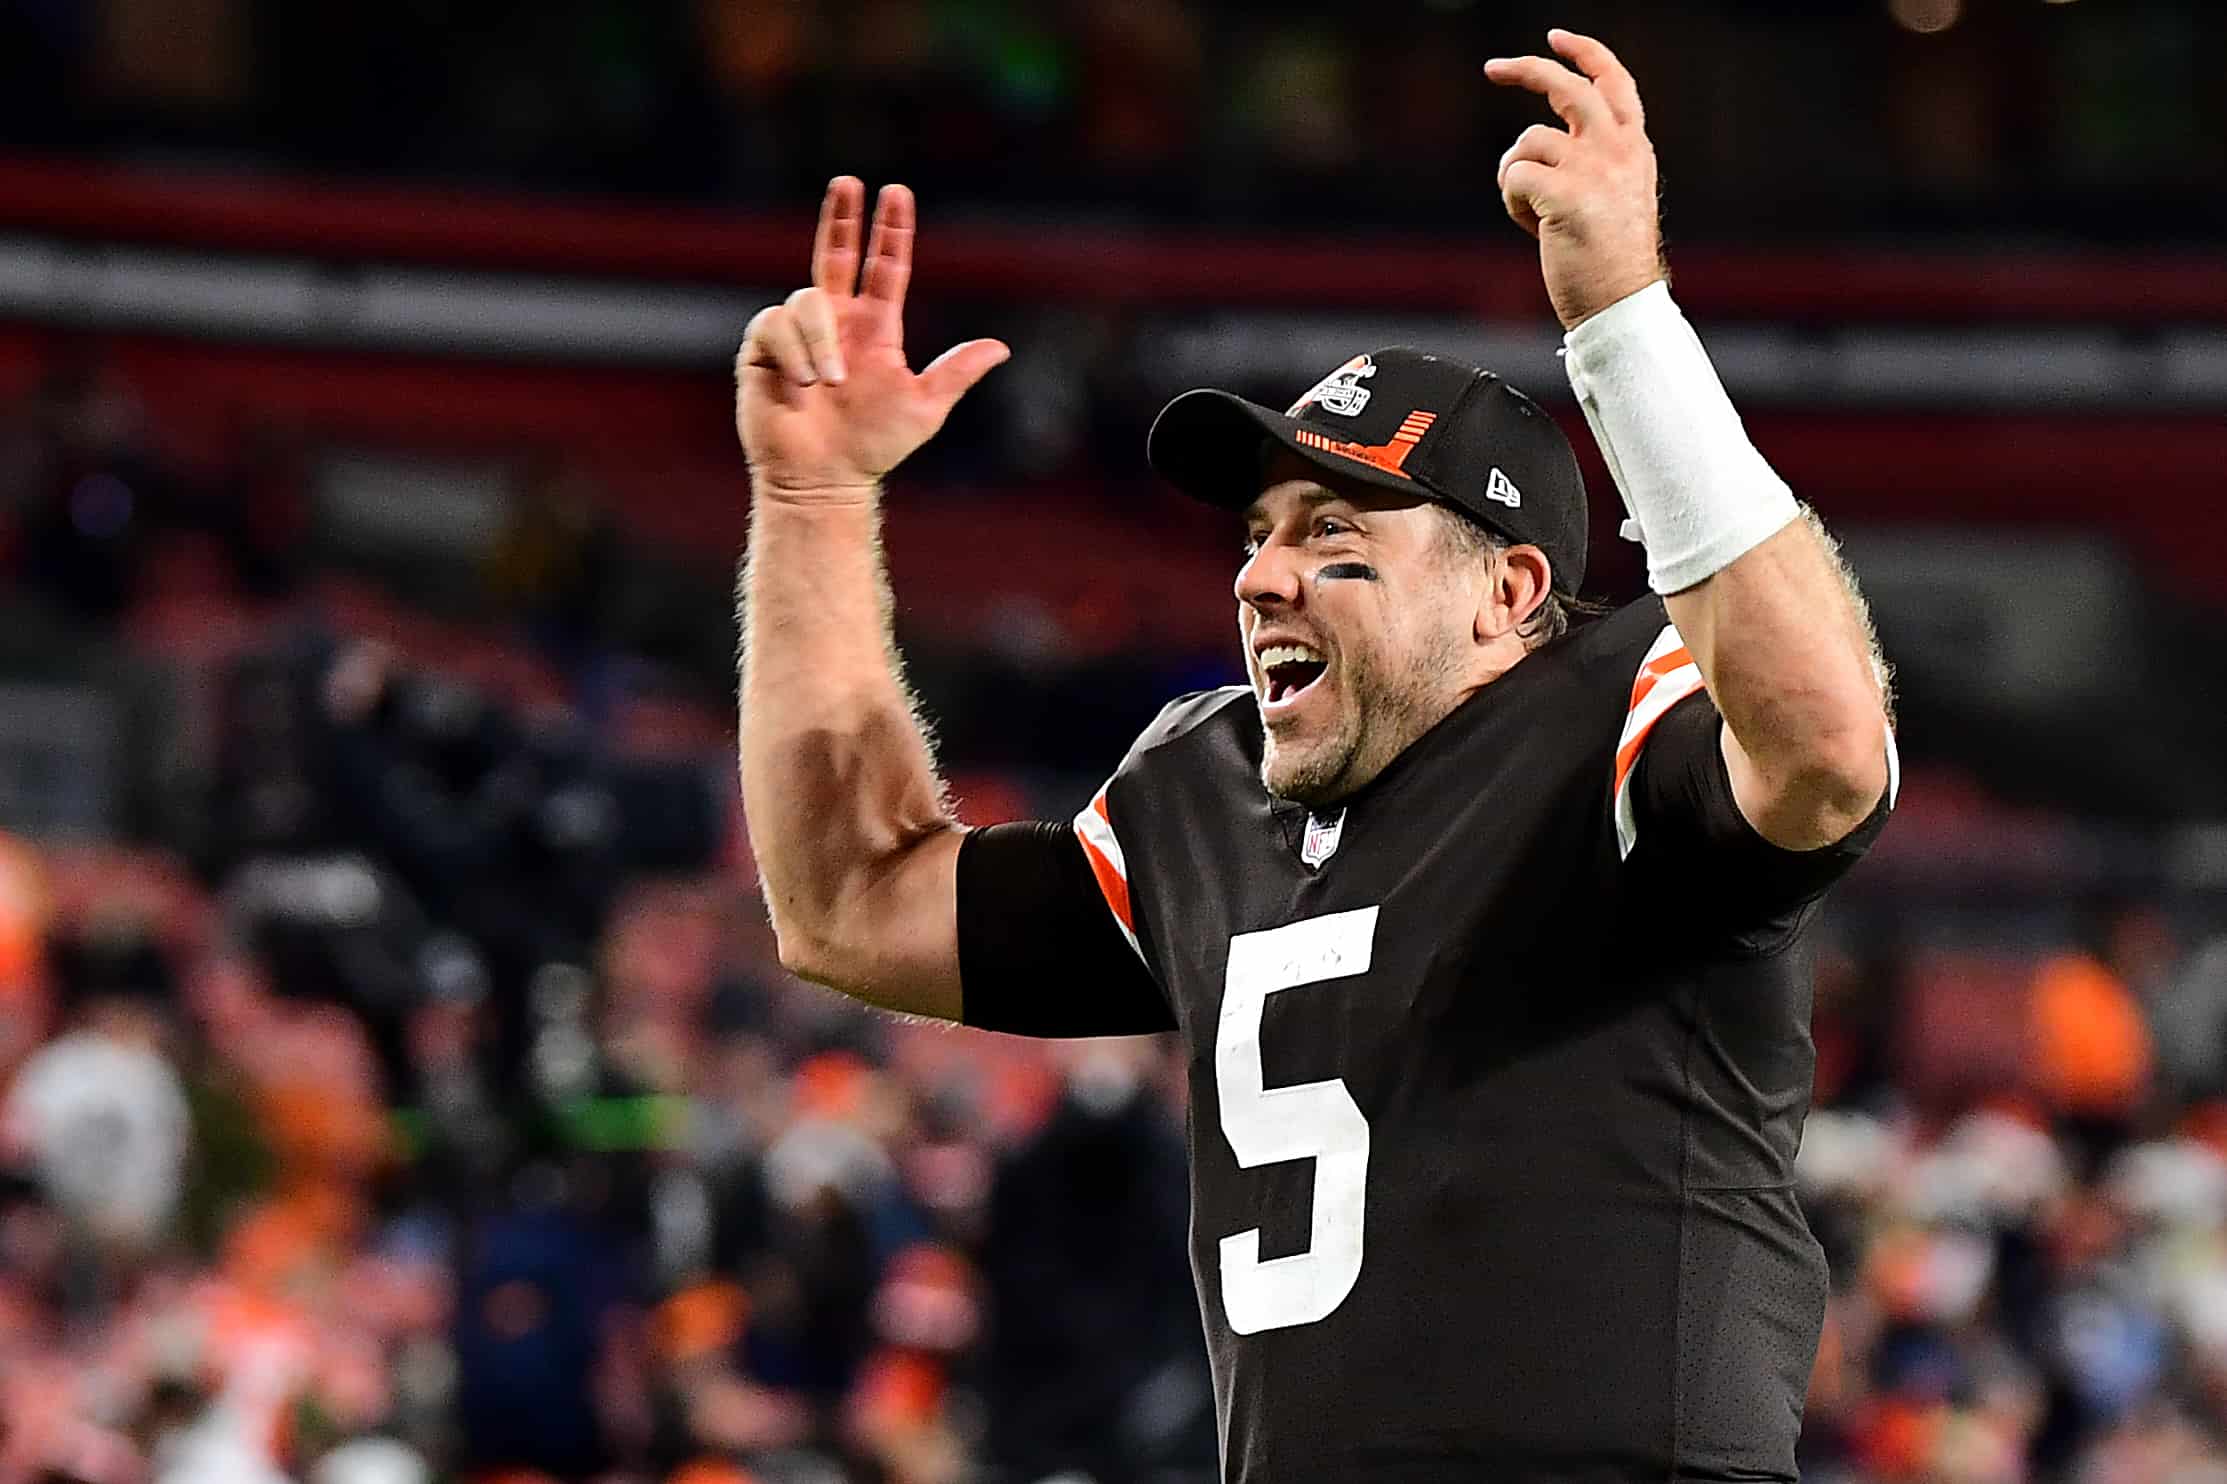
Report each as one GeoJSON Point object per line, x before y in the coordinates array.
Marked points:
{"type": "Point", "coordinates": [398, 1083]}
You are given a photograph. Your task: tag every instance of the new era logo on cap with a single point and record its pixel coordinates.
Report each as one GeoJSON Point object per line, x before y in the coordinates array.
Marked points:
{"type": "Point", "coordinates": [1500, 487]}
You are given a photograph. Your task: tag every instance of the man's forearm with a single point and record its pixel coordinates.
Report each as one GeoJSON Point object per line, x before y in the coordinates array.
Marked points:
{"type": "Point", "coordinates": [837, 779]}
{"type": "Point", "coordinates": [1752, 581]}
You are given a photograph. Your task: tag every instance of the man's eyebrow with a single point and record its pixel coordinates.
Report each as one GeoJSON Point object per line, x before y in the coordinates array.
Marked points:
{"type": "Point", "coordinates": [1312, 501]}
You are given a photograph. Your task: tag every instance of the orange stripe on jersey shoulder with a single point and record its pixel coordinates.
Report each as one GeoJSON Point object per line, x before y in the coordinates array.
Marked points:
{"type": "Point", "coordinates": [1111, 882]}
{"type": "Point", "coordinates": [1651, 673]}
{"type": "Point", "coordinates": [1675, 669]}
{"type": "Point", "coordinates": [1629, 754]}
{"type": "Point", "coordinates": [1636, 736]}
{"type": "Point", "coordinates": [1667, 675]}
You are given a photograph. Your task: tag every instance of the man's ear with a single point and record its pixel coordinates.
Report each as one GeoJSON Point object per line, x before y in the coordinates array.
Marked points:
{"type": "Point", "coordinates": [1520, 580]}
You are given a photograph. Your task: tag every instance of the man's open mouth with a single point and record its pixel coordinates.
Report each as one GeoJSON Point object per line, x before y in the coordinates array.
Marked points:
{"type": "Point", "coordinates": [1288, 669]}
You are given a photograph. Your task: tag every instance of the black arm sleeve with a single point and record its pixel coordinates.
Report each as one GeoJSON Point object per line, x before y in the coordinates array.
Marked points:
{"type": "Point", "coordinates": [1691, 830]}
{"type": "Point", "coordinates": [1039, 951]}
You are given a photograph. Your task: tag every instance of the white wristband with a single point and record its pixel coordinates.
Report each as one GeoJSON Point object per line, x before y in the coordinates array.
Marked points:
{"type": "Point", "coordinates": [1699, 494]}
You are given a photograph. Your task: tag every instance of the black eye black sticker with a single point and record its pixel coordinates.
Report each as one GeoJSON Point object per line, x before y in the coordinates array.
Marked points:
{"type": "Point", "coordinates": [1347, 571]}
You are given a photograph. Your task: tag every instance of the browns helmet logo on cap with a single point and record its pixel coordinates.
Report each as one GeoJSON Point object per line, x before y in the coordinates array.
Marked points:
{"type": "Point", "coordinates": [1341, 391]}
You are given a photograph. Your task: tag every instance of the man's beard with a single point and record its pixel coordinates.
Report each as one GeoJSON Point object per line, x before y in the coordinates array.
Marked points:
{"type": "Point", "coordinates": [1378, 721]}
{"type": "Point", "coordinates": [1318, 776]}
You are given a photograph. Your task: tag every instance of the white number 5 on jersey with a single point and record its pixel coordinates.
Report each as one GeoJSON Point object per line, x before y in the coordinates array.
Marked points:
{"type": "Point", "coordinates": [1313, 1120]}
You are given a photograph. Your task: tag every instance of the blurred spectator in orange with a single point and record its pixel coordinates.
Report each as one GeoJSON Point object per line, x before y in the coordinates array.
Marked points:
{"type": "Point", "coordinates": [23, 927]}
{"type": "Point", "coordinates": [319, 1097]}
{"type": "Point", "coordinates": [2092, 1045]}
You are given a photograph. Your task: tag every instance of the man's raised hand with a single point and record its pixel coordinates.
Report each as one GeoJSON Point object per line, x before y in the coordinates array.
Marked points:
{"type": "Point", "coordinates": [824, 402]}
{"type": "Point", "coordinates": [1586, 190]}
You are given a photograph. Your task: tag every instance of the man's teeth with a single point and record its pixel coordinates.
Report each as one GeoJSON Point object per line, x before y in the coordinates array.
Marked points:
{"type": "Point", "coordinates": [1287, 669]}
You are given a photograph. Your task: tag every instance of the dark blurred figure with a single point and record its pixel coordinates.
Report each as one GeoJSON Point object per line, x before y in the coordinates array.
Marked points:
{"type": "Point", "coordinates": [512, 832]}
{"type": "Point", "coordinates": [504, 836]}
{"type": "Point", "coordinates": [544, 1298]}
{"type": "Point", "coordinates": [812, 1288]}
{"type": "Point", "coordinates": [94, 493]}
{"type": "Point", "coordinates": [1096, 1363]}
{"type": "Point", "coordinates": [1852, 1025]}
{"type": "Point", "coordinates": [555, 570]}
{"type": "Point", "coordinates": [832, 1189]}
{"type": "Point", "coordinates": [267, 794]}
{"type": "Point", "coordinates": [261, 512]}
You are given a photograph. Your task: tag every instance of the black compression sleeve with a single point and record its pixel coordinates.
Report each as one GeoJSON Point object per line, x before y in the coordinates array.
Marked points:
{"type": "Point", "coordinates": [1040, 953]}
{"type": "Point", "coordinates": [1690, 823]}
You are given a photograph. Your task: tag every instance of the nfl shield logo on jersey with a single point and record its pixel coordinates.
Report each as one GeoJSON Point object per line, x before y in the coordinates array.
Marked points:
{"type": "Point", "coordinates": [1321, 840]}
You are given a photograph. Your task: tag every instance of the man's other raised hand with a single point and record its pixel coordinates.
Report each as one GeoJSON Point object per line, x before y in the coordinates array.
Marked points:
{"type": "Point", "coordinates": [825, 404]}
{"type": "Point", "coordinates": [1587, 189]}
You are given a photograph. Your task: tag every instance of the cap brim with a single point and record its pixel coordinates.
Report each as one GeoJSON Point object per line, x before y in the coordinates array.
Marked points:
{"type": "Point", "coordinates": [1208, 445]}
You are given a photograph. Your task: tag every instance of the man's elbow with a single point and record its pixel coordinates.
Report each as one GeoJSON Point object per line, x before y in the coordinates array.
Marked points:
{"type": "Point", "coordinates": [806, 940]}
{"type": "Point", "coordinates": [838, 947]}
{"type": "Point", "coordinates": [882, 930]}
{"type": "Point", "coordinates": [1810, 787]}
{"type": "Point", "coordinates": [806, 955]}
{"type": "Point", "coordinates": [1840, 779]}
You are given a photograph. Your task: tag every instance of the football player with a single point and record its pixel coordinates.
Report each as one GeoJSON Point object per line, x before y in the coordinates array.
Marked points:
{"type": "Point", "coordinates": [1487, 934]}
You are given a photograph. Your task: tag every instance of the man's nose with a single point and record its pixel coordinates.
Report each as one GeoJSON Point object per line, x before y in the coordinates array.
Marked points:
{"type": "Point", "coordinates": [1270, 577]}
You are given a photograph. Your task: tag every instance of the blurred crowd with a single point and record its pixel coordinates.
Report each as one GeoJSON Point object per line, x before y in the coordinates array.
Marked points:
{"type": "Point", "coordinates": [2018, 1168]}
{"type": "Point", "coordinates": [700, 1223]}
{"type": "Point", "coordinates": [397, 1082]}
{"type": "Point", "coordinates": [1777, 117]}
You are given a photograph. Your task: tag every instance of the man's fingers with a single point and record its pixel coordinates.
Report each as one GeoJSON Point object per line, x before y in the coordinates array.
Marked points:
{"type": "Point", "coordinates": [774, 340]}
{"type": "Point", "coordinates": [953, 374]}
{"type": "Point", "coordinates": [1573, 98]}
{"type": "Point", "coordinates": [889, 254]}
{"type": "Point", "coordinates": [835, 244]}
{"type": "Point", "coordinates": [1525, 187]}
{"type": "Point", "coordinates": [1612, 77]}
{"type": "Point", "coordinates": [1544, 143]}
{"type": "Point", "coordinates": [814, 313]}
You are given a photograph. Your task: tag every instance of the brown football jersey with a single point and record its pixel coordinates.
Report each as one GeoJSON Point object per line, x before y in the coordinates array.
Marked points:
{"type": "Point", "coordinates": [1497, 1071]}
